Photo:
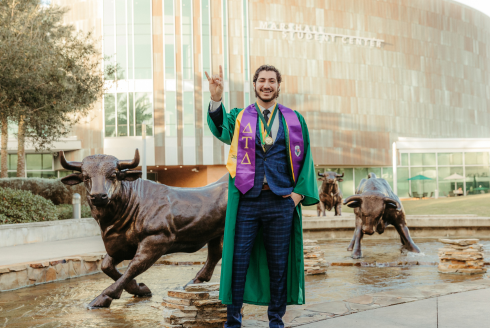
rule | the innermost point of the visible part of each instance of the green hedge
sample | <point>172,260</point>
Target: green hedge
<point>19,206</point>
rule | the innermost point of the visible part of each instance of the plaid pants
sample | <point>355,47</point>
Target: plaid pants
<point>275,215</point>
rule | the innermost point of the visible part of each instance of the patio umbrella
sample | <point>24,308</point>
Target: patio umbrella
<point>455,176</point>
<point>418,178</point>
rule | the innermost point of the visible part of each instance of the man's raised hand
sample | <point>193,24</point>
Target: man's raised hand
<point>216,85</point>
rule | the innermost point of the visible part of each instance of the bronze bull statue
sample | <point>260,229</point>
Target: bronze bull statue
<point>329,192</point>
<point>376,206</point>
<point>141,220</point>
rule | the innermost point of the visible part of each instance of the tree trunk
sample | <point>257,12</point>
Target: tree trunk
<point>21,157</point>
<point>3,152</point>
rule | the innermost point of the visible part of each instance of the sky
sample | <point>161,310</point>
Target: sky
<point>481,5</point>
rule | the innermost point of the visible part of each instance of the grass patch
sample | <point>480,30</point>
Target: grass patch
<point>474,204</point>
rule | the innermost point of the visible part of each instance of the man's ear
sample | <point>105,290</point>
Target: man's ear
<point>129,175</point>
<point>72,179</point>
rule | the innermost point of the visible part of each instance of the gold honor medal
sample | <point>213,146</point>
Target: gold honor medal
<point>269,141</point>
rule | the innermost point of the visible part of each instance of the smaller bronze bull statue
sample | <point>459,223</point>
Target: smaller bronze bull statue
<point>141,220</point>
<point>376,206</point>
<point>330,194</point>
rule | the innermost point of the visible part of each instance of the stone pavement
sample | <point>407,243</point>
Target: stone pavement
<point>447,305</point>
<point>467,309</point>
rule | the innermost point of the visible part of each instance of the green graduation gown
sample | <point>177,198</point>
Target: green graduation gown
<point>257,288</point>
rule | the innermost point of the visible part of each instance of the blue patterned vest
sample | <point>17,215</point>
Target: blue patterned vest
<point>273,163</point>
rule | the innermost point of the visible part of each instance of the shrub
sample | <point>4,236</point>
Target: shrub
<point>19,206</point>
<point>65,211</point>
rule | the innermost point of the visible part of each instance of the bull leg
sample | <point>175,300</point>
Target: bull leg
<point>215,249</point>
<point>320,208</point>
<point>358,234</point>
<point>338,209</point>
<point>149,251</point>
<point>407,241</point>
<point>109,268</point>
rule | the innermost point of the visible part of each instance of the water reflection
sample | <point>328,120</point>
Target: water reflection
<point>63,304</point>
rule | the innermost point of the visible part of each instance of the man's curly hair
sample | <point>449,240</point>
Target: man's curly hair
<point>271,69</point>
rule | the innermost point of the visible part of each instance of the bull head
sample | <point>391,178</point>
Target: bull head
<point>101,174</point>
<point>330,181</point>
<point>371,207</point>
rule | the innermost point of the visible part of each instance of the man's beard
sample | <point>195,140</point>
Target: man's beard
<point>275,95</point>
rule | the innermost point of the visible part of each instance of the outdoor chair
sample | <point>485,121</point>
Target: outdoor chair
<point>416,195</point>
<point>451,194</point>
<point>425,194</point>
<point>431,194</point>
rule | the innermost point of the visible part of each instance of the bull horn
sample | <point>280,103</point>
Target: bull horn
<point>124,165</point>
<point>352,198</point>
<point>73,166</point>
<point>391,200</point>
<point>321,174</point>
<point>340,175</point>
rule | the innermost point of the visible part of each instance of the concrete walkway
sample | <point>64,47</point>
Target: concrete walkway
<point>462,310</point>
<point>50,250</point>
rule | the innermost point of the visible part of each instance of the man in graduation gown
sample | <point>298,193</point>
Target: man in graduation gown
<point>271,174</point>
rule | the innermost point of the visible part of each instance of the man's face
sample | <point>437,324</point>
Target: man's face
<point>266,87</point>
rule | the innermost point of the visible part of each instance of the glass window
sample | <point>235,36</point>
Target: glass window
<point>34,174</point>
<point>131,113</point>
<point>34,162</point>
<point>63,174</point>
<point>170,114</point>
<point>206,95</point>
<point>476,158</point>
<point>189,116</point>
<point>121,39</point>
<point>362,173</point>
<point>47,161</point>
<point>144,112</point>
<point>449,159</point>
<point>49,175</point>
<point>446,187</point>
<point>109,36</point>
<point>142,39</point>
<point>129,12</point>
<point>388,175</point>
<point>423,159</point>
<point>169,39</point>
<point>12,162</point>
<point>187,39</point>
<point>152,176</point>
<point>402,183</point>
<point>347,185</point>
<point>423,188</point>
<point>404,159</point>
<point>206,39</point>
<point>110,115</point>
<point>477,180</point>
<point>122,114</point>
<point>245,44</point>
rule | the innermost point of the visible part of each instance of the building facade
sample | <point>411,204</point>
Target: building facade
<point>363,73</point>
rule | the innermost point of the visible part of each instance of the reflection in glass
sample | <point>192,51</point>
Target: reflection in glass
<point>47,162</point>
<point>189,117</point>
<point>422,159</point>
<point>144,109</point>
<point>109,41</point>
<point>131,113</point>
<point>402,182</point>
<point>476,158</point>
<point>122,114</point>
<point>447,187</point>
<point>34,161</point>
<point>424,188</point>
<point>449,159</point>
<point>388,175</point>
<point>169,39</point>
<point>477,180</point>
<point>110,115</point>
<point>12,162</point>
<point>142,39</point>
<point>187,39</point>
<point>170,114</point>
<point>121,39</point>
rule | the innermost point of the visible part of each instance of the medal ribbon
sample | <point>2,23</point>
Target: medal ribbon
<point>265,127</point>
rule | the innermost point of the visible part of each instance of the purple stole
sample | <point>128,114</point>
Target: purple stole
<point>245,169</point>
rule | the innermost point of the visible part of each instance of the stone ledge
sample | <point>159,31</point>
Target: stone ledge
<point>20,275</point>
